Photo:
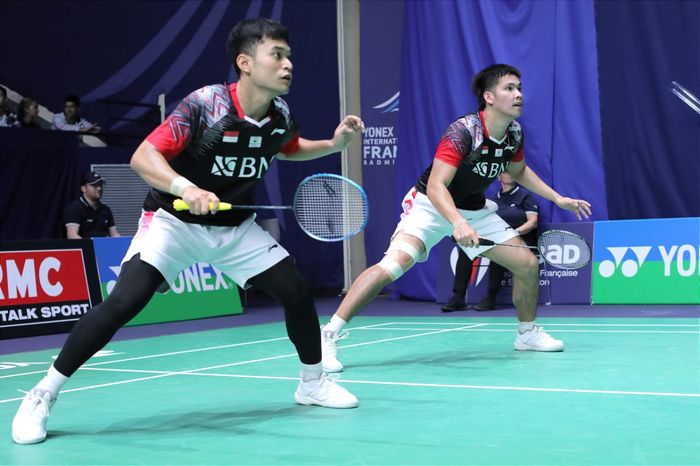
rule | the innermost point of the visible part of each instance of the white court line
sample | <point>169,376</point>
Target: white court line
<point>168,374</point>
<point>548,324</point>
<point>431,385</point>
<point>173,353</point>
<point>414,329</point>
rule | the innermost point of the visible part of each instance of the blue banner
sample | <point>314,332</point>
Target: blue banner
<point>380,60</point>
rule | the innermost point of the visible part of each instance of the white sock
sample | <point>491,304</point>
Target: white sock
<point>335,325</point>
<point>311,371</point>
<point>53,382</point>
<point>525,326</point>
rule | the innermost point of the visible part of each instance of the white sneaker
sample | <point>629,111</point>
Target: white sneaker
<point>29,424</point>
<point>537,340</point>
<point>324,392</point>
<point>329,350</point>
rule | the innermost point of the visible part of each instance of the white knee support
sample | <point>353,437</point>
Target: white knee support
<point>405,246</point>
<point>391,267</point>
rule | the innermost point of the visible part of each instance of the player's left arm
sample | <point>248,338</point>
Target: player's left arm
<point>529,179</point>
<point>307,149</point>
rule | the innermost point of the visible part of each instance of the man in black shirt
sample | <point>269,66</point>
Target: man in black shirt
<point>87,217</point>
<point>448,200</point>
<point>215,146</point>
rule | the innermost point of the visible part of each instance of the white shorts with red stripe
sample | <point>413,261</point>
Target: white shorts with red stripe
<point>171,245</point>
<point>421,219</point>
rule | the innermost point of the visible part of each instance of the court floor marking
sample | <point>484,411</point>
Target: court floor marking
<point>194,371</point>
<point>197,372</point>
<point>548,324</point>
<point>413,329</point>
<point>169,374</point>
<point>173,353</point>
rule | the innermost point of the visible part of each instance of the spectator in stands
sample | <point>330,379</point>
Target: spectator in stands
<point>7,118</point>
<point>26,112</point>
<point>87,217</point>
<point>70,119</point>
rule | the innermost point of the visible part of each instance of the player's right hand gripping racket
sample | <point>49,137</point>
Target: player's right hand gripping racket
<point>559,248</point>
<point>327,207</point>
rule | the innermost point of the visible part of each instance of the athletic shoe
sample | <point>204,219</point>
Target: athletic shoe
<point>537,340</point>
<point>454,304</point>
<point>324,392</point>
<point>29,424</point>
<point>486,304</point>
<point>329,350</point>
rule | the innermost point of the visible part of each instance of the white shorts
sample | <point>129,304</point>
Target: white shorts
<point>421,219</point>
<point>171,245</point>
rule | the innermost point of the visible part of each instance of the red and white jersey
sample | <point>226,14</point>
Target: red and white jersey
<point>479,158</point>
<point>211,142</point>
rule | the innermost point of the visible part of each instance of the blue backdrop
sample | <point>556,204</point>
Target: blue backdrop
<point>599,119</point>
<point>445,43</point>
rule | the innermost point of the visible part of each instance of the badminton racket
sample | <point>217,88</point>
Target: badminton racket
<point>327,207</point>
<point>559,248</point>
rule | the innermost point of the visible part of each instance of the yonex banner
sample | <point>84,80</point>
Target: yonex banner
<point>45,286</point>
<point>200,290</point>
<point>647,261</point>
<point>381,25</point>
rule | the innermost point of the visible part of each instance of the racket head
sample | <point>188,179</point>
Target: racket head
<point>330,207</point>
<point>564,249</point>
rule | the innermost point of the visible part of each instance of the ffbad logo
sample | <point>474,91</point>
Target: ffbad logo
<point>28,277</point>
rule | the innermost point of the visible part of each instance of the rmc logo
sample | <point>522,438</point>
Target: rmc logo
<point>628,267</point>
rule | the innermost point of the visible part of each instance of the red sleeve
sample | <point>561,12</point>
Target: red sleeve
<point>520,155</point>
<point>175,133</point>
<point>447,152</point>
<point>292,146</point>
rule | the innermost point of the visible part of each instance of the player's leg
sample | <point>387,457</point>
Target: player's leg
<point>402,254</point>
<point>463,270</point>
<point>525,268</point>
<point>135,286</point>
<point>249,255</point>
<point>496,273</point>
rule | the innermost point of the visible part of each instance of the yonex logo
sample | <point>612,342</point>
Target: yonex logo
<point>391,105</point>
<point>629,267</point>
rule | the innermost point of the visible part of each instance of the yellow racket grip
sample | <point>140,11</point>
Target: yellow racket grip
<point>179,204</point>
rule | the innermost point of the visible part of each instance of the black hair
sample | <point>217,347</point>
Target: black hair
<point>3,91</point>
<point>246,35</point>
<point>488,77</point>
<point>22,107</point>
<point>72,99</point>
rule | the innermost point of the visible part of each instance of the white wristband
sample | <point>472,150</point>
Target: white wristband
<point>179,184</point>
<point>459,222</point>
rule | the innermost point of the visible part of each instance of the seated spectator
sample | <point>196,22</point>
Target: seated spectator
<point>70,119</point>
<point>87,217</point>
<point>7,118</point>
<point>26,112</point>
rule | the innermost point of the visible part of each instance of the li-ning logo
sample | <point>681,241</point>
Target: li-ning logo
<point>629,267</point>
<point>391,105</point>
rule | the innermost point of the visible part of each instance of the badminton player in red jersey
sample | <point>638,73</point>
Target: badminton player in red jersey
<point>448,199</point>
<point>215,146</point>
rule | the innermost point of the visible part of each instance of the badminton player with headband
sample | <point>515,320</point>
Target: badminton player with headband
<point>215,146</point>
<point>448,199</point>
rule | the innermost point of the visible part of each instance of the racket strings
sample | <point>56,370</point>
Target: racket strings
<point>564,249</point>
<point>330,208</point>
